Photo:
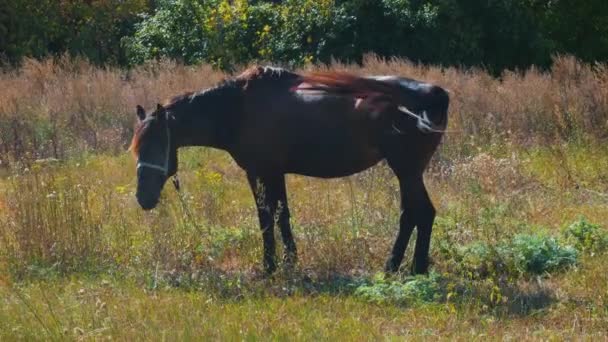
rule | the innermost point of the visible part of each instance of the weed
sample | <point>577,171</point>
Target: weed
<point>538,254</point>
<point>587,237</point>
<point>411,290</point>
<point>524,255</point>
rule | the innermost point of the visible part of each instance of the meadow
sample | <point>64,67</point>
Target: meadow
<point>518,248</point>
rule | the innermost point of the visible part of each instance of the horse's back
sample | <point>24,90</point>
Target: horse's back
<point>310,132</point>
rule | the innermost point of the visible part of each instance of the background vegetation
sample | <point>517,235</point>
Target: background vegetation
<point>520,183</point>
<point>227,33</point>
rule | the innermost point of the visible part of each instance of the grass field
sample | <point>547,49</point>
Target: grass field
<point>518,249</point>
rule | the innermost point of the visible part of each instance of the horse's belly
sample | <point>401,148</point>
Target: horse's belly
<point>332,161</point>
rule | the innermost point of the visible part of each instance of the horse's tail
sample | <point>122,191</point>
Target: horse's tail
<point>428,106</point>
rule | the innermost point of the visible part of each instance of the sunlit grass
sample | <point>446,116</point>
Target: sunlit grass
<point>79,259</point>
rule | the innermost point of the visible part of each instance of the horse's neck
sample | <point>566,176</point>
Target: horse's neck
<point>208,118</point>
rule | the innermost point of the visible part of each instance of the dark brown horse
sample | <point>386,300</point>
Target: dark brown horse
<point>328,124</point>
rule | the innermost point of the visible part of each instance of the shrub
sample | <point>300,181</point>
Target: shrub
<point>176,30</point>
<point>587,237</point>
<point>229,33</point>
<point>538,254</point>
<point>412,290</point>
<point>523,255</point>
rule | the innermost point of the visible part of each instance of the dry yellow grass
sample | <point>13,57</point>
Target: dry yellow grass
<point>62,107</point>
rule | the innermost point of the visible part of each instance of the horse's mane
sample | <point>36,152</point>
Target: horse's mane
<point>342,83</point>
<point>264,73</point>
<point>135,141</point>
<point>172,102</point>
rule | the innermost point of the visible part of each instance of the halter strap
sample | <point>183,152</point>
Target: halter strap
<point>162,169</point>
<point>165,167</point>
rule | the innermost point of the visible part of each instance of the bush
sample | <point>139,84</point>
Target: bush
<point>176,31</point>
<point>37,28</point>
<point>587,237</point>
<point>523,255</point>
<point>412,290</point>
<point>538,254</point>
<point>228,33</point>
<point>232,32</point>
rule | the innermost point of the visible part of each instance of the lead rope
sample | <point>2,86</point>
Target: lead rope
<point>176,184</point>
<point>180,195</point>
<point>186,208</point>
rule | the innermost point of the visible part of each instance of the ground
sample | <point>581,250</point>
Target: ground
<point>191,268</point>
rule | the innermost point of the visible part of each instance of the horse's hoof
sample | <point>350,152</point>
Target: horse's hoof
<point>290,261</point>
<point>391,267</point>
<point>421,268</point>
<point>270,269</point>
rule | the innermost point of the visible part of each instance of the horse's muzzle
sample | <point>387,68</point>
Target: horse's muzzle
<point>147,202</point>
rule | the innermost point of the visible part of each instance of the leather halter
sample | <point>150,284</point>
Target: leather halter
<point>164,168</point>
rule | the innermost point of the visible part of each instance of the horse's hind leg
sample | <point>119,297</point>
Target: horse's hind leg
<point>424,216</point>
<point>406,226</point>
<point>416,211</point>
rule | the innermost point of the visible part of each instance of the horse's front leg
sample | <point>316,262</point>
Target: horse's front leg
<point>271,201</point>
<point>266,210</point>
<point>283,216</point>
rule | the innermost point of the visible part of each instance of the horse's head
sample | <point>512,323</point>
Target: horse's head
<point>154,147</point>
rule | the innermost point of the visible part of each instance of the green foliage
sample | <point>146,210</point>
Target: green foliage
<point>413,290</point>
<point>92,29</point>
<point>575,27</point>
<point>228,33</point>
<point>480,259</point>
<point>586,236</point>
<point>310,31</point>
<point>522,256</point>
<point>176,31</point>
<point>538,254</point>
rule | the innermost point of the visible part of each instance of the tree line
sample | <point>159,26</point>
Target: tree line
<point>494,34</point>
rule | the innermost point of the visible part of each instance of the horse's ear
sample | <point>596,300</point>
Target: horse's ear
<point>141,113</point>
<point>160,112</point>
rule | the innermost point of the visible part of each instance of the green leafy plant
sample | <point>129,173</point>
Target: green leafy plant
<point>523,255</point>
<point>412,290</point>
<point>538,254</point>
<point>586,236</point>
